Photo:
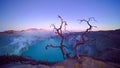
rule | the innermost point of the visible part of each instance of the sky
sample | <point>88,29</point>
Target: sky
<point>25,14</point>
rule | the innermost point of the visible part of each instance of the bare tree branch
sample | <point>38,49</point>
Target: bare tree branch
<point>51,46</point>
<point>83,41</point>
<point>89,28</point>
<point>59,32</point>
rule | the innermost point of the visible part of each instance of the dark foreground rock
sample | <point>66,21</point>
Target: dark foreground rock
<point>14,60</point>
<point>85,62</point>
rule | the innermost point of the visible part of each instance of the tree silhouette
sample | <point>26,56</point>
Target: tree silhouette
<point>83,36</point>
<point>78,42</point>
<point>59,31</point>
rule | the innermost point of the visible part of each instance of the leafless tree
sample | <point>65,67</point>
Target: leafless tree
<point>83,36</point>
<point>59,31</point>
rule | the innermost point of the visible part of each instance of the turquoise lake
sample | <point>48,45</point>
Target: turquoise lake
<point>38,52</point>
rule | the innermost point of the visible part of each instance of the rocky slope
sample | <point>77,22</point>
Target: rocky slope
<point>85,62</point>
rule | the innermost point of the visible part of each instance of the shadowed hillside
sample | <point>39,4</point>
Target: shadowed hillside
<point>103,45</point>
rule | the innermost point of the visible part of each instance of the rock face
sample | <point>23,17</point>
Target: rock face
<point>85,62</point>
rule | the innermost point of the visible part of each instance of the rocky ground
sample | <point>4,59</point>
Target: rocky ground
<point>85,62</point>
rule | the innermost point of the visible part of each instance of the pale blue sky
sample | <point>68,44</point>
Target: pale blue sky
<point>24,14</point>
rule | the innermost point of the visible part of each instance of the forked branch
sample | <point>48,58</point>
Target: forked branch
<point>59,32</point>
<point>83,41</point>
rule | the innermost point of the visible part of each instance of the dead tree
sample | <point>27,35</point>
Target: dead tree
<point>83,40</point>
<point>59,31</point>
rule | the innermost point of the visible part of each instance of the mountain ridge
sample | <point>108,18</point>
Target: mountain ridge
<point>38,29</point>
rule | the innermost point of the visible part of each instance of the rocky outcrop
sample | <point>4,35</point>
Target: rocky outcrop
<point>84,62</point>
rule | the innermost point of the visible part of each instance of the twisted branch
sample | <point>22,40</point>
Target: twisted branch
<point>83,41</point>
<point>59,32</point>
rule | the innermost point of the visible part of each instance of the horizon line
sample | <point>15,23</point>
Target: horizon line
<point>52,29</point>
